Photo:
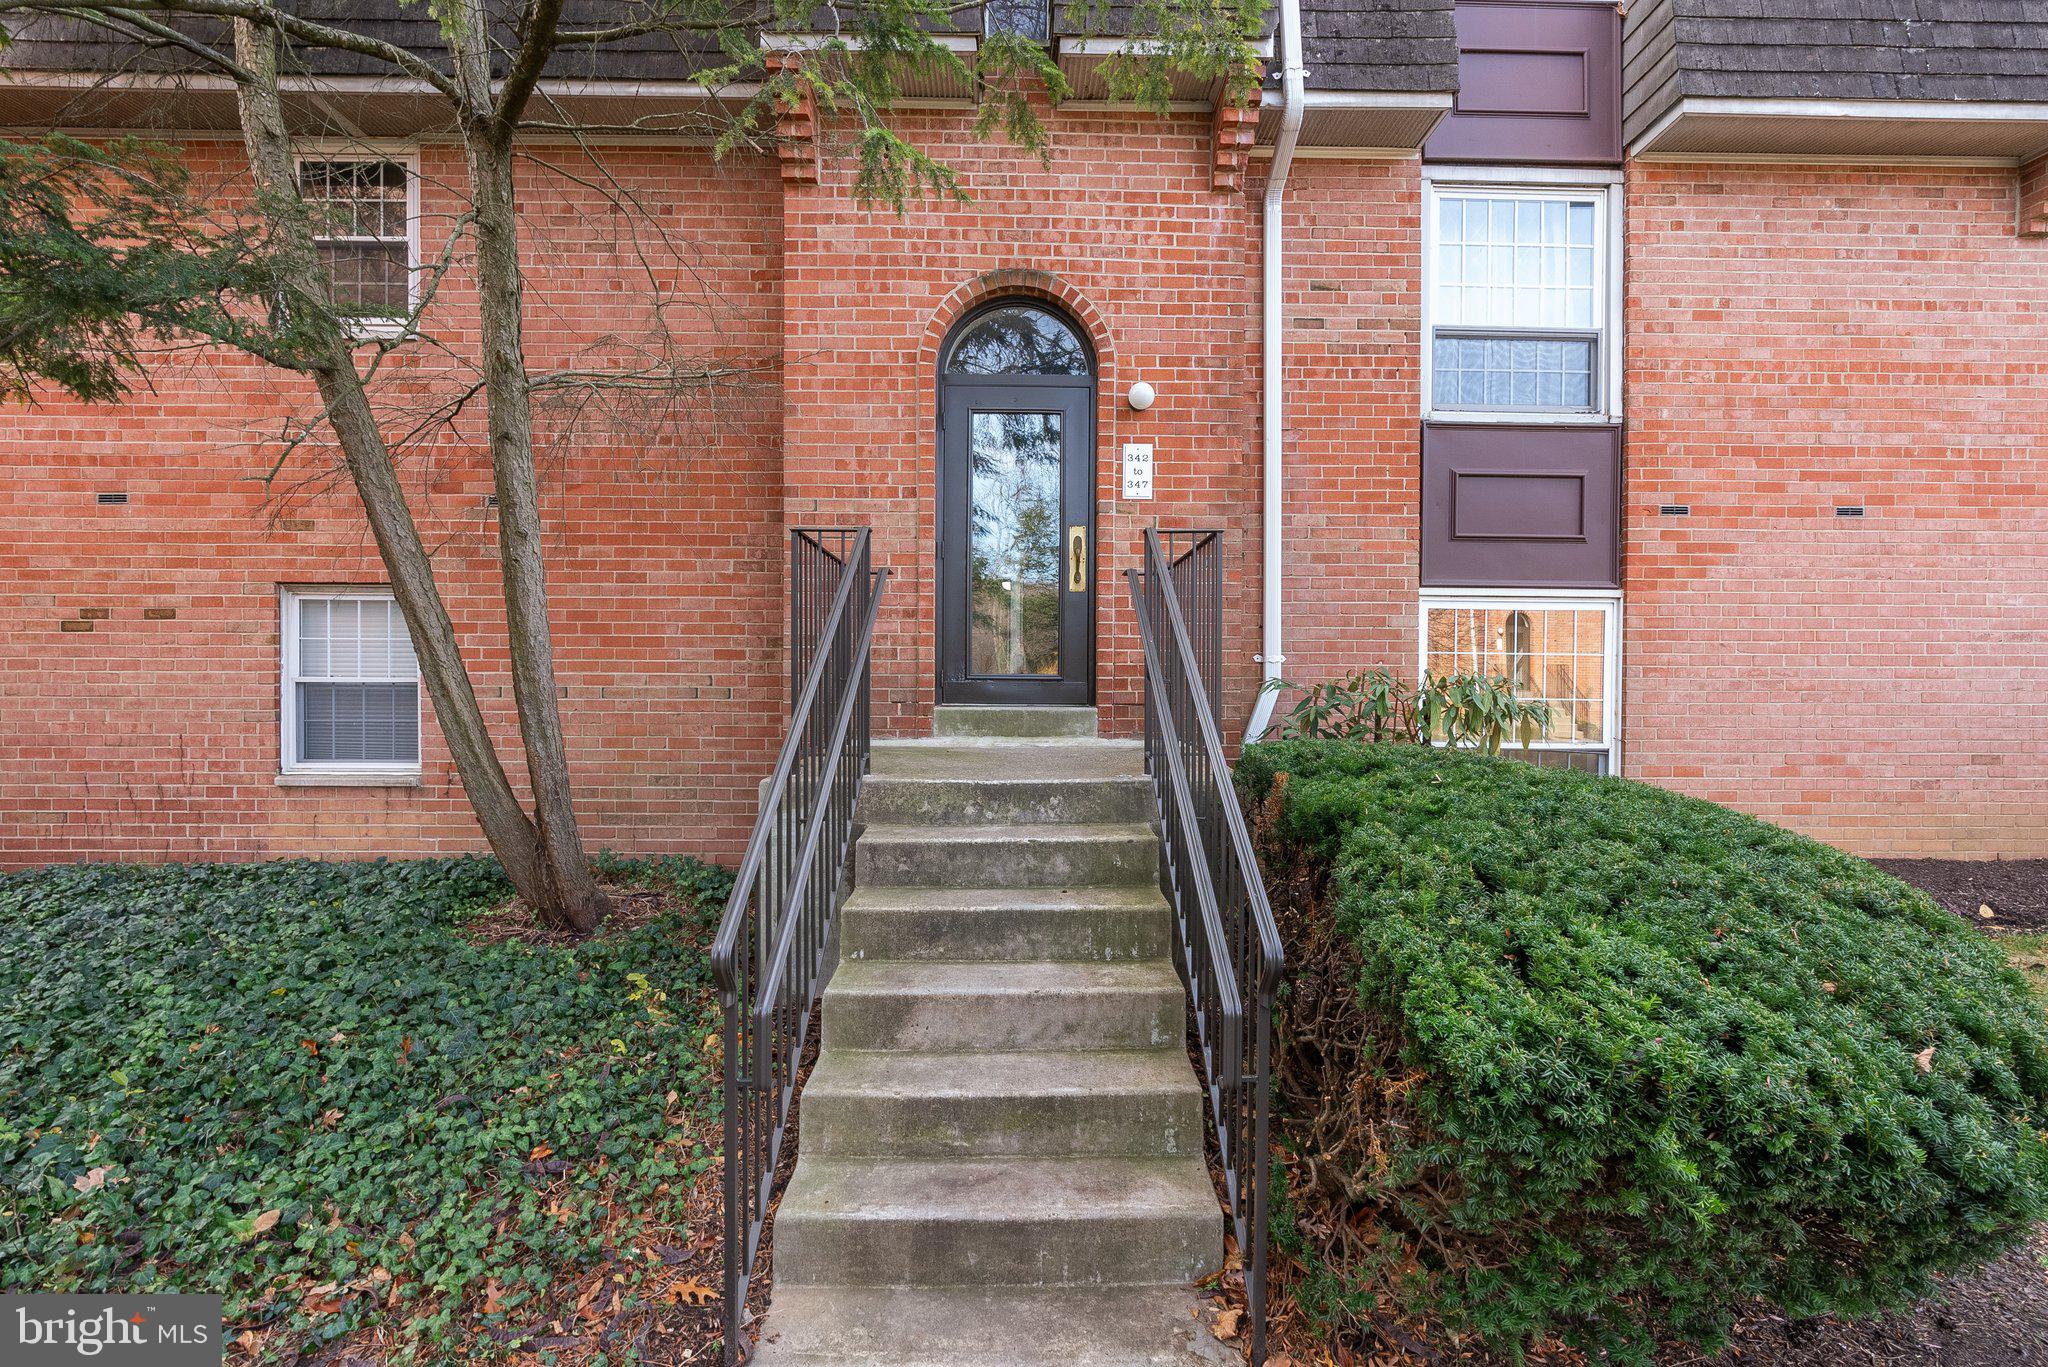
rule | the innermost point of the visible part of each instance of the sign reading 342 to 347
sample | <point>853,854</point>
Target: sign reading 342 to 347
<point>1137,469</point>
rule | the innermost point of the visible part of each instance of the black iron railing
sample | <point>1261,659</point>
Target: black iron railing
<point>770,959</point>
<point>1226,944</point>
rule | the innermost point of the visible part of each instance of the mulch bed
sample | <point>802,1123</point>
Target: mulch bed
<point>1993,1317</point>
<point>2015,890</point>
<point>1996,1316</point>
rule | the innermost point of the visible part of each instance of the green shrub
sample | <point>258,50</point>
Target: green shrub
<point>1574,1057</point>
<point>308,1086</point>
<point>1460,709</point>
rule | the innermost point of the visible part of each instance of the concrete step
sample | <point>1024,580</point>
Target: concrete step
<point>1014,721</point>
<point>1003,800</point>
<point>1011,1221</point>
<point>939,1007</point>
<point>1028,856</point>
<point>1133,1103</point>
<point>900,1326</point>
<point>1101,925</point>
<point>968,758</point>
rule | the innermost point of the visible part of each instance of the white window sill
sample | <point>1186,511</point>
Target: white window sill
<point>349,778</point>
<point>361,330</point>
<point>1534,417</point>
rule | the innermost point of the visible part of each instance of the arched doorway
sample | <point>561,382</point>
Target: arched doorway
<point>1016,508</point>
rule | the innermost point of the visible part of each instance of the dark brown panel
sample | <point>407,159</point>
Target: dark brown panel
<point>1538,81</point>
<point>1521,507</point>
<point>1518,505</point>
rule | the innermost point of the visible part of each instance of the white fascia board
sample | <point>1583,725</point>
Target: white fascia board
<point>1112,47</point>
<point>962,43</point>
<point>361,85</point>
<point>1361,99</point>
<point>1874,112</point>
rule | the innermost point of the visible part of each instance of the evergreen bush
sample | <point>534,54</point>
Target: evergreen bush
<point>1571,1057</point>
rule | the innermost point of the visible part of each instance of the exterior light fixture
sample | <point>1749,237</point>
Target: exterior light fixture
<point>1141,396</point>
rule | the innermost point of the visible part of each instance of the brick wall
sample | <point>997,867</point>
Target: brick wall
<point>1799,339</point>
<point>1121,228</point>
<point>1354,396</point>
<point>157,737</point>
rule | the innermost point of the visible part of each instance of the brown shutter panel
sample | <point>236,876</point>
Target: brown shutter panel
<point>1521,507</point>
<point>1539,81</point>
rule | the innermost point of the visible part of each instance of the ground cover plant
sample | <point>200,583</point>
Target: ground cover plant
<point>357,1099</point>
<point>1569,1060</point>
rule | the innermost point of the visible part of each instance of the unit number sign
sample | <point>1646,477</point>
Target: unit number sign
<point>1137,469</point>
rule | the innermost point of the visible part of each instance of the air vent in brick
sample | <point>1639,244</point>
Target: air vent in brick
<point>112,500</point>
<point>1848,510</point>
<point>1674,509</point>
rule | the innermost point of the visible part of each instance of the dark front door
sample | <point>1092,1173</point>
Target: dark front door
<point>1016,512</point>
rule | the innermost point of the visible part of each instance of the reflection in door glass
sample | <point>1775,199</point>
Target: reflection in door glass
<point>1014,568</point>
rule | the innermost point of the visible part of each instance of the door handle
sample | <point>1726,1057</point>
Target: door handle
<point>1077,559</point>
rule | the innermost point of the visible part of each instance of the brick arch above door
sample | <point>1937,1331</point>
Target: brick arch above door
<point>1018,284</point>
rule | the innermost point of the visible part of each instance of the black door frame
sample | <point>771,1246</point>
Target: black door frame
<point>1074,397</point>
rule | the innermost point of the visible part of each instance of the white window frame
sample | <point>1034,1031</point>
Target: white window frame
<point>290,768</point>
<point>1539,600</point>
<point>1538,183</point>
<point>369,328</point>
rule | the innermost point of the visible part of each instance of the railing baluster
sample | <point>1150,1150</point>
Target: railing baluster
<point>768,958</point>
<point>1226,945</point>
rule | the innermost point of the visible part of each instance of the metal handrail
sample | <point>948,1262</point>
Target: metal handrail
<point>1226,942</point>
<point>770,956</point>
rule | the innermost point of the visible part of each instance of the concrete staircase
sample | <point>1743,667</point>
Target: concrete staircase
<point>1001,1145</point>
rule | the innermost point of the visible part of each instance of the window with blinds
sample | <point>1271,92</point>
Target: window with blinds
<point>1518,305</point>
<point>352,692</point>
<point>362,225</point>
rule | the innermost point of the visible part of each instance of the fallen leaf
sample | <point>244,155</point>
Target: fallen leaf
<point>310,1046</point>
<point>1924,1060</point>
<point>1225,1325</point>
<point>264,1223</point>
<point>1828,988</point>
<point>90,1181</point>
<point>1984,910</point>
<point>540,1152</point>
<point>691,1292</point>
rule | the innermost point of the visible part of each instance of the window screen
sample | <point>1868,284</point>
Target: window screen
<point>1519,305</point>
<point>360,222</point>
<point>354,683</point>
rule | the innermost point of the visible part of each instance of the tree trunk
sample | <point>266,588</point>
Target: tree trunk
<point>487,145</point>
<point>519,845</point>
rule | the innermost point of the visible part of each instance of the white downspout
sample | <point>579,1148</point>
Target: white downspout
<point>1293,84</point>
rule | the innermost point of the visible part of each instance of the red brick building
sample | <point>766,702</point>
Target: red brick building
<point>1688,368</point>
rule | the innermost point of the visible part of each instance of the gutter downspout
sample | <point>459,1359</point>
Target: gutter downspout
<point>1293,86</point>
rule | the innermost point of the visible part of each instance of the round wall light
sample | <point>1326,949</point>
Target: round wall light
<point>1141,396</point>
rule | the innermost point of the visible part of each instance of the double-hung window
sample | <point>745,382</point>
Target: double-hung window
<point>363,214</point>
<point>1519,301</point>
<point>1561,650</point>
<point>351,704</point>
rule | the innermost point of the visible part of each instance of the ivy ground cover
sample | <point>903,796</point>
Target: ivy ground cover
<point>359,1101</point>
